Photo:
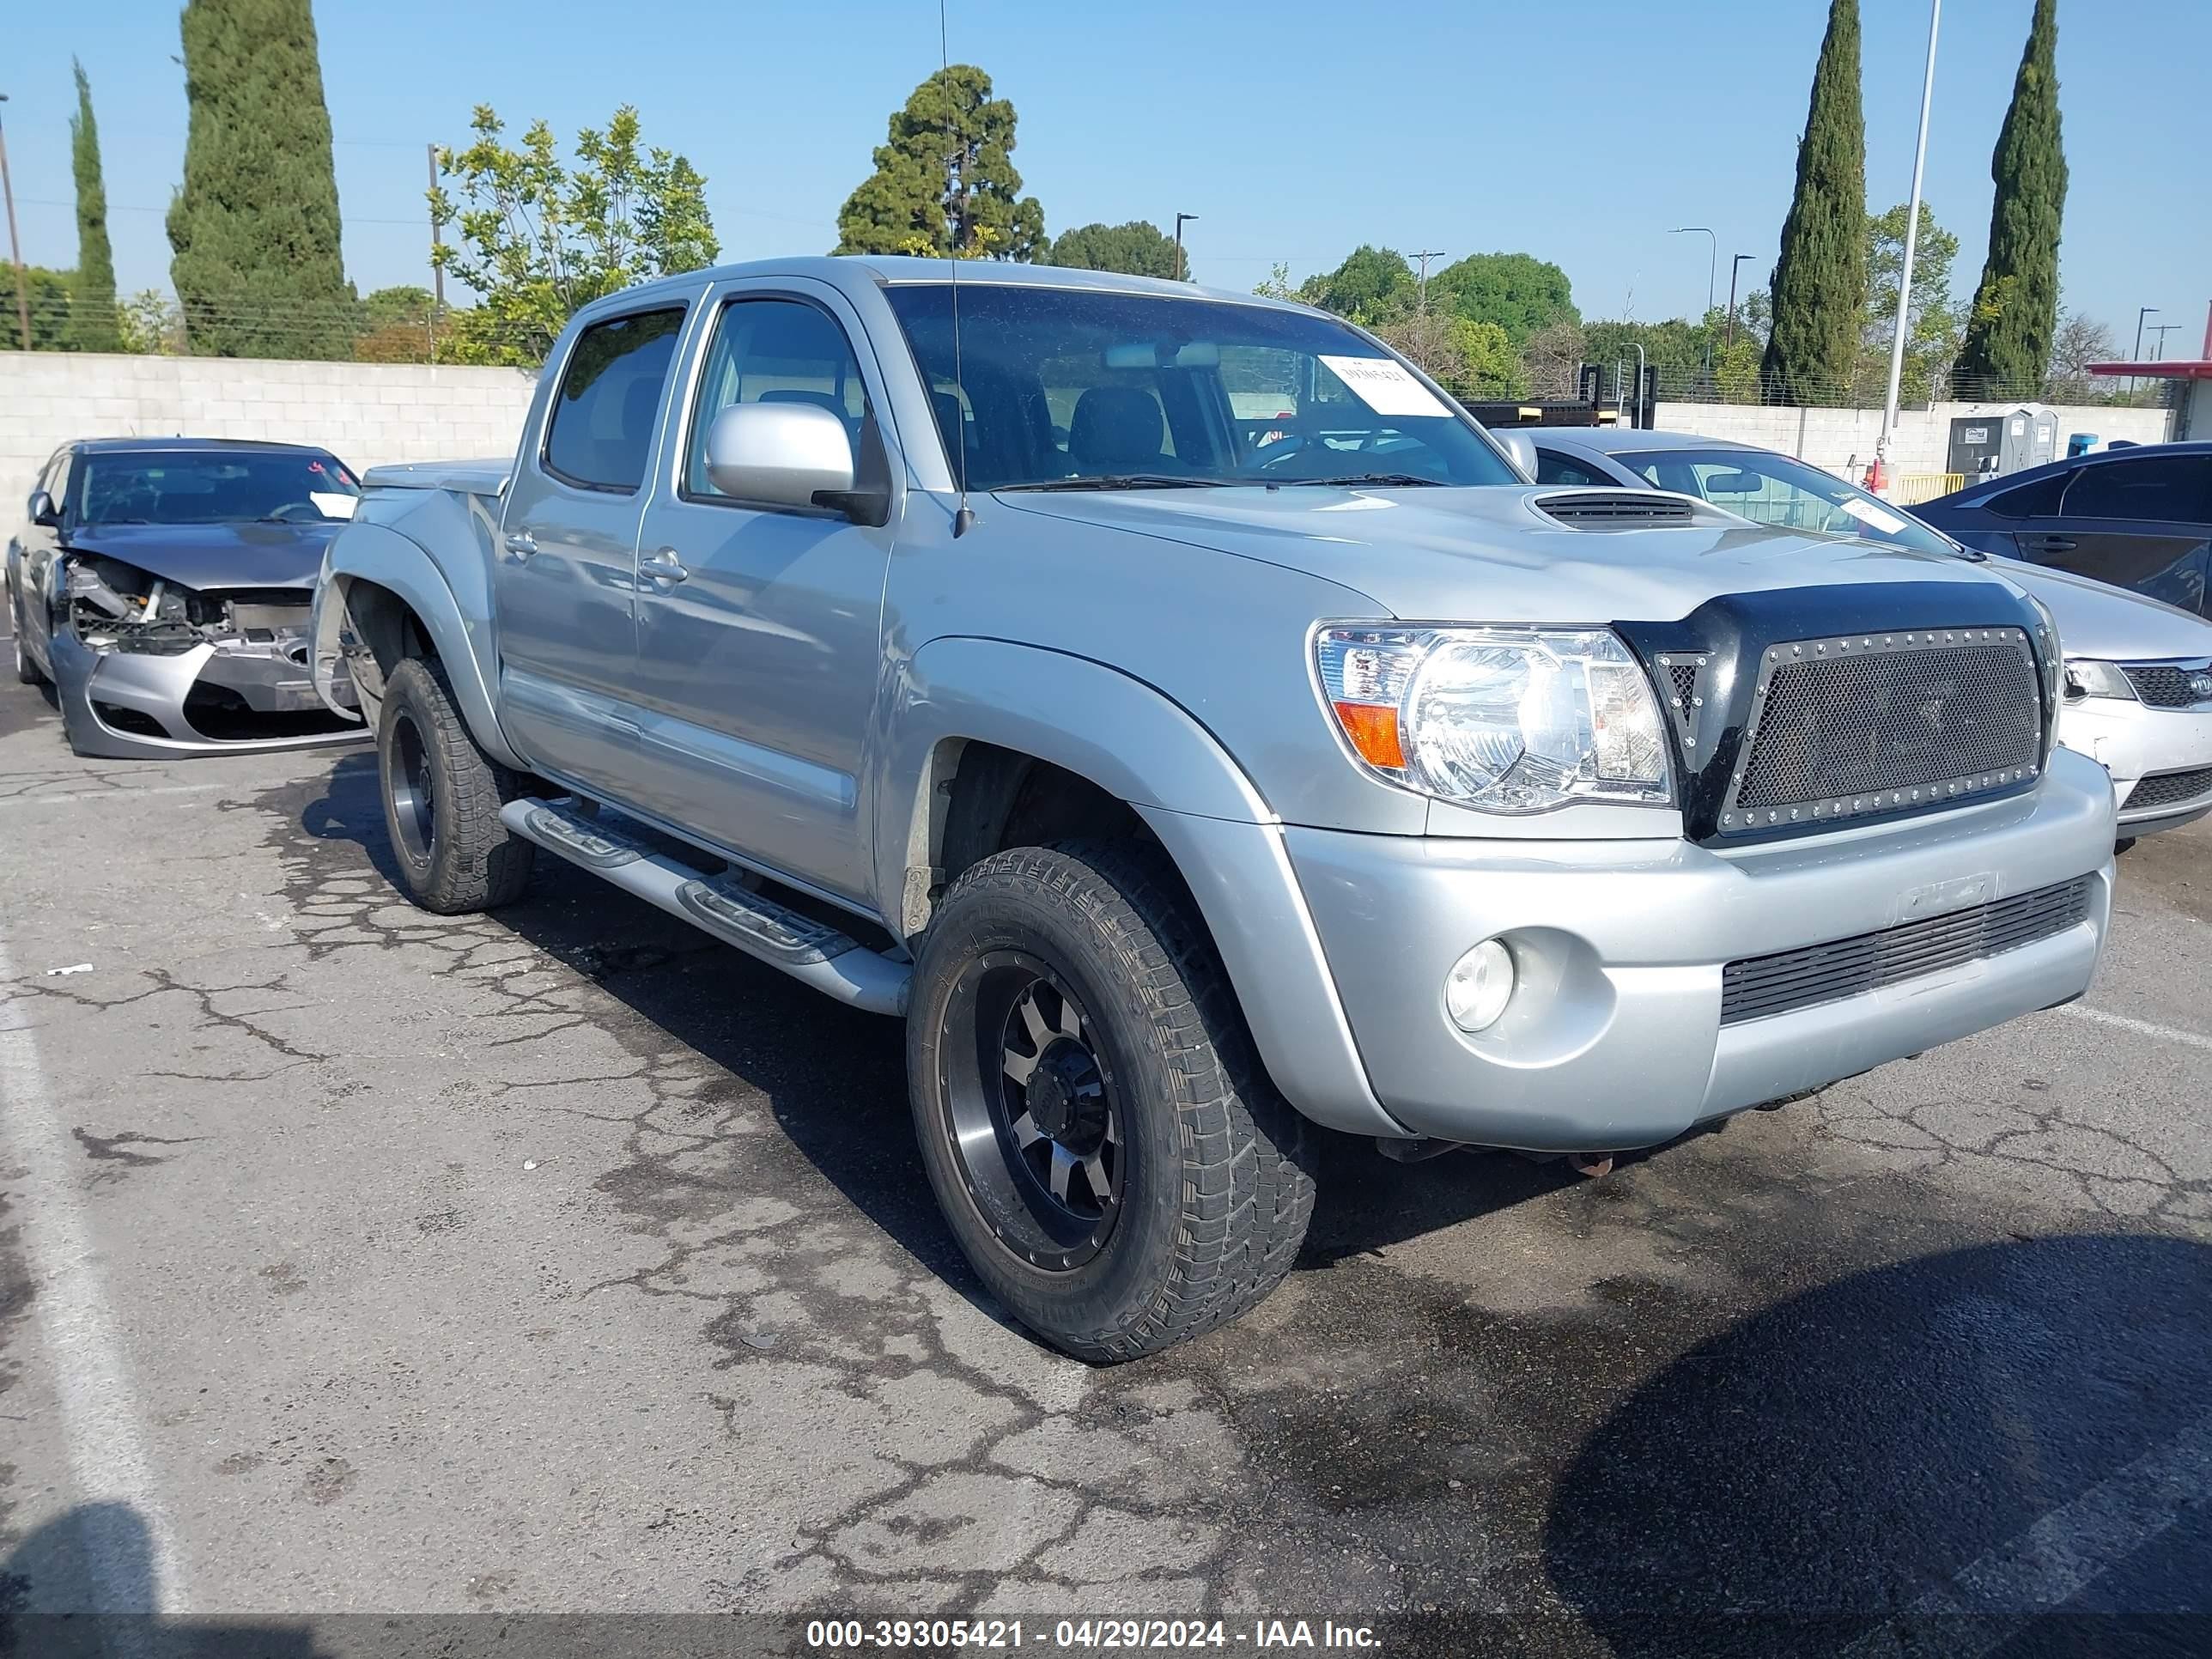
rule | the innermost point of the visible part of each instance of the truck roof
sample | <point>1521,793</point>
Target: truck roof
<point>893,269</point>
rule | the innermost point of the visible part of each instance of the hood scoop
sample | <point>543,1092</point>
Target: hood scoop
<point>1618,509</point>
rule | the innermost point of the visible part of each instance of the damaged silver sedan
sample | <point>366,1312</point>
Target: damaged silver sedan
<point>163,587</point>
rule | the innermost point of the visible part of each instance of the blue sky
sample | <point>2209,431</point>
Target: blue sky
<point>1579,130</point>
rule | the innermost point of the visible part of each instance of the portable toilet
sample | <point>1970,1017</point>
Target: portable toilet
<point>2004,440</point>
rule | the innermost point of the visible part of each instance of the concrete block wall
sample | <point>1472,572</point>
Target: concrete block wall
<point>366,414</point>
<point>1838,438</point>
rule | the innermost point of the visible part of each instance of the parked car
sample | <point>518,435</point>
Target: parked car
<point>2139,517</point>
<point>163,585</point>
<point>2138,672</point>
<point>1194,772</point>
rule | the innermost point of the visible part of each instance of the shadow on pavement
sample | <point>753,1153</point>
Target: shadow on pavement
<point>1950,1440</point>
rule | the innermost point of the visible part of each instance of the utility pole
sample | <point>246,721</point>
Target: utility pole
<point>1905,270</point>
<point>14,247</point>
<point>1735,265</point>
<point>437,265</point>
<point>1179,218</point>
<point>2158,347</point>
<point>1422,300</point>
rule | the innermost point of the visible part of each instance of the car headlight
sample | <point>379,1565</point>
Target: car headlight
<point>2087,678</point>
<point>1502,720</point>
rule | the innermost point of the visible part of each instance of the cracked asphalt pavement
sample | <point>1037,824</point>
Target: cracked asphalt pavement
<point>358,1261</point>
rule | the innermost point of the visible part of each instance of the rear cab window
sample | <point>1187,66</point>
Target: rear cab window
<point>598,435</point>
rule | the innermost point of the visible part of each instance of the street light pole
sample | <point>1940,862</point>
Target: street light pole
<point>1180,218</point>
<point>14,247</point>
<point>1905,270</point>
<point>1734,265</point>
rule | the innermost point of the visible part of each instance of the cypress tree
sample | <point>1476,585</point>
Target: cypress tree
<point>1820,278</point>
<point>92,307</point>
<point>257,268</point>
<point>2015,309</point>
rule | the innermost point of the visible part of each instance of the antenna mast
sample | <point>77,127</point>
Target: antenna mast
<point>964,517</point>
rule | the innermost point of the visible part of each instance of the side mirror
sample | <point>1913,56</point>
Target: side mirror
<point>1523,448</point>
<point>43,510</point>
<point>780,454</point>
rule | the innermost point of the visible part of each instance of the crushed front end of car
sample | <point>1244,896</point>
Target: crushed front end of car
<point>146,666</point>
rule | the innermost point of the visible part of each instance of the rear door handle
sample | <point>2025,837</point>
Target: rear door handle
<point>521,543</point>
<point>664,567</point>
<point>2050,544</point>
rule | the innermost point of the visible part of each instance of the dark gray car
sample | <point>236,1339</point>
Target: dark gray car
<point>163,585</point>
<point>2139,517</point>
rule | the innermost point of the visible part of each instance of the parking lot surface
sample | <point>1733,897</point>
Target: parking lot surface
<point>356,1261</point>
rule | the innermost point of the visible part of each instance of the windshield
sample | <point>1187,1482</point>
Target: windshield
<point>1769,488</point>
<point>1069,388</point>
<point>190,486</point>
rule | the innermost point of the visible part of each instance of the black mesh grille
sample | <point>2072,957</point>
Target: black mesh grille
<point>2164,686</point>
<point>1683,677</point>
<point>1843,726</point>
<point>1759,986</point>
<point>2170,788</point>
<point>1617,509</point>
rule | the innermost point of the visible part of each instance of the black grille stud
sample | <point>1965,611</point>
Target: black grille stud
<point>1885,723</point>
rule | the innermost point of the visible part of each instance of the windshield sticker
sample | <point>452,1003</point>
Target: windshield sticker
<point>331,504</point>
<point>1867,512</point>
<point>1384,384</point>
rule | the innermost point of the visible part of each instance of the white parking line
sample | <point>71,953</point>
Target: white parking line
<point>130,1572</point>
<point>107,794</point>
<point>2140,1027</point>
<point>1996,1596</point>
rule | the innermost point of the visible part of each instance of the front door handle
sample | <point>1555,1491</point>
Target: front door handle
<point>521,543</point>
<point>664,567</point>
<point>2050,544</point>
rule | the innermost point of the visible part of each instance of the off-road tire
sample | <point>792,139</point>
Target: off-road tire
<point>469,860</point>
<point>2122,845</point>
<point>1216,1181</point>
<point>26,671</point>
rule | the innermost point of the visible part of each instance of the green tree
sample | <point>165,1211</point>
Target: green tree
<point>537,239</point>
<point>1932,333</point>
<point>1139,248</point>
<point>1373,287</point>
<point>51,296</point>
<point>254,229</point>
<point>1820,278</point>
<point>1474,360</point>
<point>2016,308</point>
<point>1518,292</point>
<point>1676,349</point>
<point>1276,285</point>
<point>396,325</point>
<point>945,179</point>
<point>92,315</point>
<point>148,323</point>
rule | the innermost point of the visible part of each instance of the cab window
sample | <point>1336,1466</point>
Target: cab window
<point>773,351</point>
<point>599,435</point>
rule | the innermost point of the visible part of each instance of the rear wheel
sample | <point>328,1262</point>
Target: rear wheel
<point>441,798</point>
<point>1108,1152</point>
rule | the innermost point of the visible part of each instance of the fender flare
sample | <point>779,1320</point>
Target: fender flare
<point>458,622</point>
<point>1139,744</point>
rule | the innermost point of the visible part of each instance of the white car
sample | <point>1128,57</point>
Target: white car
<point>2138,672</point>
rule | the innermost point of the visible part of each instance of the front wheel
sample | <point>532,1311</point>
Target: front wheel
<point>1111,1158</point>
<point>441,798</point>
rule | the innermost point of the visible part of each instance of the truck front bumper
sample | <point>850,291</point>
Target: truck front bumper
<point>1615,1037</point>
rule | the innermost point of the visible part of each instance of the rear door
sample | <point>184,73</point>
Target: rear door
<point>2139,520</point>
<point>759,644</point>
<point>564,572</point>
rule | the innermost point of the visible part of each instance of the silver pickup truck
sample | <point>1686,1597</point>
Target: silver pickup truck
<point>1174,706</point>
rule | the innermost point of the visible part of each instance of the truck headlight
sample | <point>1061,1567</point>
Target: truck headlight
<point>1502,720</point>
<point>2087,678</point>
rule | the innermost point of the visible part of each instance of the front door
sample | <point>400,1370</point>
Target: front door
<point>564,566</point>
<point>759,628</point>
<point>2143,522</point>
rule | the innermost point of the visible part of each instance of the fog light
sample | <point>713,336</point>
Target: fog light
<point>1479,986</point>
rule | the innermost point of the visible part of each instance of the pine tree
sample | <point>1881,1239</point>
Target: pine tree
<point>257,268</point>
<point>1820,278</point>
<point>2015,310</point>
<point>93,325</point>
<point>944,179</point>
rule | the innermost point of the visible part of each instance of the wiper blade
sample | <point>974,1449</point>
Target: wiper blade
<point>1125,481</point>
<point>1378,480</point>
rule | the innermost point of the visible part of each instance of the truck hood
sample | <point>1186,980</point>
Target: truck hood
<point>1487,555</point>
<point>2096,619</point>
<point>213,555</point>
